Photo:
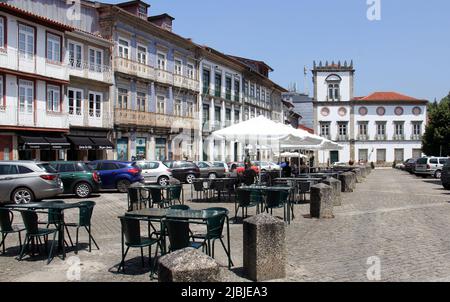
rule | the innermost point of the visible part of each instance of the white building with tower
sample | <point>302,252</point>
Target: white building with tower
<point>382,127</point>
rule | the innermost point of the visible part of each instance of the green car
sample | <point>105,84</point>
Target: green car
<point>77,177</point>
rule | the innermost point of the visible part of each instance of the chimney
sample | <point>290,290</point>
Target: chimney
<point>164,21</point>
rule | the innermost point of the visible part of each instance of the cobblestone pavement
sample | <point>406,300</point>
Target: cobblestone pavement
<point>399,218</point>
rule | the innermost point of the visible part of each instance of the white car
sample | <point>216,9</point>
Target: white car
<point>155,172</point>
<point>268,166</point>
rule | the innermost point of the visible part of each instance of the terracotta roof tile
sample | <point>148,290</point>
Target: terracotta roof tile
<point>386,96</point>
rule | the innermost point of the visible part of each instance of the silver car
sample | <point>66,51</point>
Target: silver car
<point>28,181</point>
<point>430,166</point>
<point>155,172</point>
<point>208,170</point>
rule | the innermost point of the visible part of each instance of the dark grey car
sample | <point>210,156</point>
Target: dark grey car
<point>208,170</point>
<point>28,181</point>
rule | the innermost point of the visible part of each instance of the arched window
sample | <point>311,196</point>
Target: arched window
<point>333,82</point>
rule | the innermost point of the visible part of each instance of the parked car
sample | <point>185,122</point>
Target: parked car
<point>28,181</point>
<point>209,170</point>
<point>430,166</point>
<point>184,171</point>
<point>77,177</point>
<point>410,165</point>
<point>240,167</point>
<point>445,175</point>
<point>117,174</point>
<point>155,172</point>
<point>221,164</point>
<point>267,166</point>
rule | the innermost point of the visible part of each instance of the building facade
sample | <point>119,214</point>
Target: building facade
<point>383,127</point>
<point>303,106</point>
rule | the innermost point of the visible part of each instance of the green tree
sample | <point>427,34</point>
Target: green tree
<point>436,140</point>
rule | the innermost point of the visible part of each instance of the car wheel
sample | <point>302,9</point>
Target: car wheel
<point>123,185</point>
<point>212,175</point>
<point>22,195</point>
<point>437,174</point>
<point>82,190</point>
<point>163,180</point>
<point>190,178</point>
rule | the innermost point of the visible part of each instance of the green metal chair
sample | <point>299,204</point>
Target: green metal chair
<point>174,194</point>
<point>56,217</point>
<point>214,231</point>
<point>30,220</point>
<point>276,199</point>
<point>157,198</point>
<point>7,227</point>
<point>86,209</point>
<point>179,235</point>
<point>131,238</point>
<point>136,200</point>
<point>244,201</point>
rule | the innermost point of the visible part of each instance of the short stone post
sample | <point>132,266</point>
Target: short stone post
<point>363,171</point>
<point>321,204</point>
<point>348,181</point>
<point>188,265</point>
<point>264,248</point>
<point>336,188</point>
<point>358,175</point>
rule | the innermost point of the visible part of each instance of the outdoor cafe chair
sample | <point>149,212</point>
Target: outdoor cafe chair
<point>180,235</point>
<point>136,200</point>
<point>56,218</point>
<point>304,187</point>
<point>7,227</point>
<point>30,220</point>
<point>157,198</point>
<point>199,188</point>
<point>174,194</point>
<point>244,202</point>
<point>86,209</point>
<point>276,199</point>
<point>131,238</point>
<point>214,231</point>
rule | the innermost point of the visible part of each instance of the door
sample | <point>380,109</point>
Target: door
<point>67,173</point>
<point>204,169</point>
<point>398,155</point>
<point>334,157</point>
<point>8,175</point>
<point>417,153</point>
<point>5,147</point>
<point>381,156</point>
<point>108,174</point>
<point>363,155</point>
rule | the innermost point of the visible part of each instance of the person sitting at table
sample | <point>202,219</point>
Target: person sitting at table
<point>287,170</point>
<point>249,175</point>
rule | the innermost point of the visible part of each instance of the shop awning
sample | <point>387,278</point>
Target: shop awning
<point>81,142</point>
<point>58,143</point>
<point>34,142</point>
<point>102,143</point>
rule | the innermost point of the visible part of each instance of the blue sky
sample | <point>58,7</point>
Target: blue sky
<point>407,51</point>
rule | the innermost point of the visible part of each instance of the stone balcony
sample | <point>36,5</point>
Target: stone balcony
<point>128,117</point>
<point>134,68</point>
<point>83,69</point>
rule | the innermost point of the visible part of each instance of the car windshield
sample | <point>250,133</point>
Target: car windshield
<point>47,168</point>
<point>422,161</point>
<point>168,164</point>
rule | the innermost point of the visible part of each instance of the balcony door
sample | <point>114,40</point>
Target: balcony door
<point>26,100</point>
<point>26,47</point>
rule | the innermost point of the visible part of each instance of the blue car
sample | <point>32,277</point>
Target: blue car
<point>117,174</point>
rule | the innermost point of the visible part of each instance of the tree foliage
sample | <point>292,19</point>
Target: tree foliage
<point>436,140</point>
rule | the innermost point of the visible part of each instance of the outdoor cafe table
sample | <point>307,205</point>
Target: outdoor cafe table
<point>148,187</point>
<point>160,214</point>
<point>264,189</point>
<point>210,181</point>
<point>56,205</point>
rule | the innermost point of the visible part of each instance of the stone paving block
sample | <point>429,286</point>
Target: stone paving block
<point>321,205</point>
<point>264,248</point>
<point>336,187</point>
<point>188,265</point>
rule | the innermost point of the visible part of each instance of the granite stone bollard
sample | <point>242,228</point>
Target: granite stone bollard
<point>321,204</point>
<point>363,171</point>
<point>348,181</point>
<point>188,265</point>
<point>358,174</point>
<point>336,187</point>
<point>264,248</point>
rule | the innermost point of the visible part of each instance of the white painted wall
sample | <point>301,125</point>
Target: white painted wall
<point>322,85</point>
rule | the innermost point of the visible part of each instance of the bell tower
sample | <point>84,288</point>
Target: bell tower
<point>333,82</point>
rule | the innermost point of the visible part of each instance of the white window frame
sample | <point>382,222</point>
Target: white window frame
<point>190,70</point>
<point>158,60</point>
<point>121,48</point>
<point>26,100</point>
<point>178,66</point>
<point>26,53</point>
<point>96,112</point>
<point>53,42</point>
<point>399,128</point>
<point>139,54</point>
<point>75,110</point>
<point>381,126</point>
<point>417,126</point>
<point>76,63</point>
<point>2,31</point>
<point>178,107</point>
<point>53,98</point>
<point>160,99</point>
<point>141,101</point>
<point>190,109</point>
<point>95,66</point>
<point>341,127</point>
<point>325,129</point>
<point>120,103</point>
